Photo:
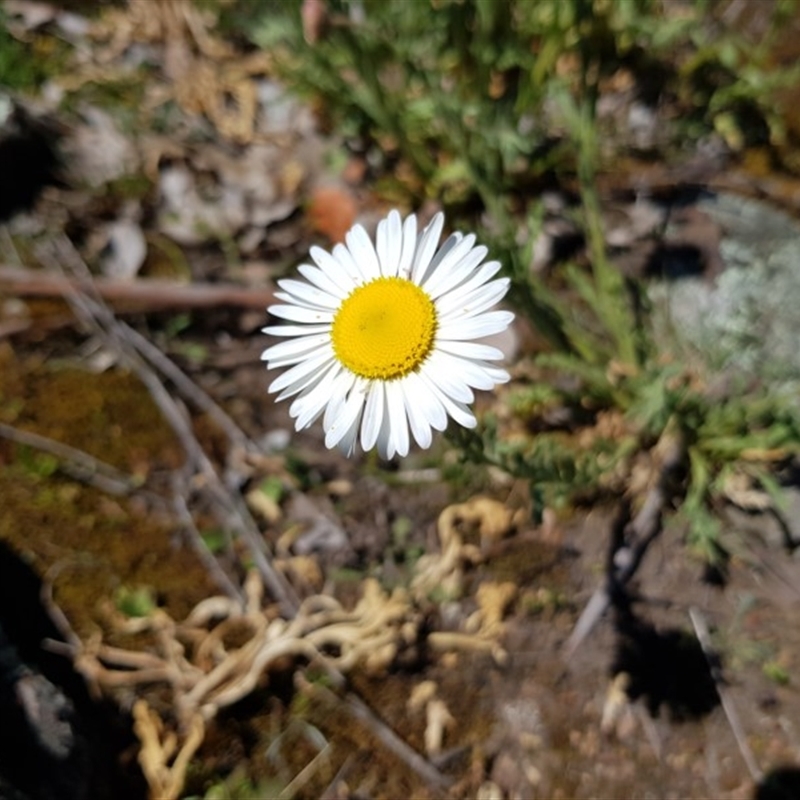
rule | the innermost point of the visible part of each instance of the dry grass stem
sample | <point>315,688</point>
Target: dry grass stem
<point>228,505</point>
<point>76,463</point>
<point>141,295</point>
<point>704,638</point>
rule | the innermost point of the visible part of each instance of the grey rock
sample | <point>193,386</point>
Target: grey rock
<point>746,321</point>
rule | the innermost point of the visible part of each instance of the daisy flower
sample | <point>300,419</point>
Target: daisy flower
<point>380,338</point>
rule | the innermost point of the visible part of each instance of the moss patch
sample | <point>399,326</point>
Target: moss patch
<point>90,543</point>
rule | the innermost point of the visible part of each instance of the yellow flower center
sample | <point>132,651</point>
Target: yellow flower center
<point>384,329</point>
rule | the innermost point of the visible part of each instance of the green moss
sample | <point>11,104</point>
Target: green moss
<point>110,416</point>
<point>26,65</point>
<point>776,672</point>
<point>91,543</point>
<point>135,601</point>
<point>123,97</point>
<point>129,187</point>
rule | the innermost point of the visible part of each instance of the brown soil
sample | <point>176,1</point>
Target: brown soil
<point>534,725</point>
<point>634,712</point>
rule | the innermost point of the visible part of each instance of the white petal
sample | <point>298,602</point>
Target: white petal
<point>294,347</point>
<point>347,263</point>
<point>496,374</point>
<point>298,384</point>
<point>427,403</point>
<point>300,314</point>
<point>484,273</point>
<point>473,373</point>
<point>453,273</point>
<point>445,249</point>
<point>346,419</point>
<point>338,285</point>
<point>295,330</point>
<point>477,374</point>
<point>304,385</point>
<point>333,266</point>
<point>307,293</point>
<point>417,419</point>
<point>310,404</point>
<point>471,303</point>
<point>409,245</point>
<point>476,327</point>
<point>484,352</point>
<point>278,361</point>
<point>300,302</point>
<point>442,370</point>
<point>288,361</point>
<point>373,415</point>
<point>385,443</point>
<point>299,372</point>
<point>363,252</point>
<point>388,243</point>
<point>426,247</point>
<point>398,424</point>
<point>458,411</point>
<point>342,386</point>
<point>382,246</point>
<point>347,445</point>
<point>447,259</point>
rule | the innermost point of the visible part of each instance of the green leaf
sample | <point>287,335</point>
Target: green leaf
<point>135,601</point>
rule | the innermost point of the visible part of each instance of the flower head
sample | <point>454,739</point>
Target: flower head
<point>380,340</point>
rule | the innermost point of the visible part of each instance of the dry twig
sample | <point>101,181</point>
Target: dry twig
<point>638,535</point>
<point>140,295</point>
<point>76,463</point>
<point>229,506</point>
<point>704,638</point>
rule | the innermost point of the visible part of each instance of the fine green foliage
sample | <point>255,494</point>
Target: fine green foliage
<point>480,104</point>
<point>237,786</point>
<point>135,601</point>
<point>21,66</point>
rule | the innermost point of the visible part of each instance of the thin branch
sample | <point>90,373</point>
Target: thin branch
<point>76,463</point>
<point>15,325</point>
<point>703,636</point>
<point>57,616</point>
<point>638,535</point>
<point>187,387</point>
<point>97,315</point>
<point>145,294</point>
<point>387,737</point>
<point>199,546</point>
<point>427,771</point>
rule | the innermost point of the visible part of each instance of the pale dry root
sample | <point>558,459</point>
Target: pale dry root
<point>443,571</point>
<point>205,673</point>
<point>163,757</point>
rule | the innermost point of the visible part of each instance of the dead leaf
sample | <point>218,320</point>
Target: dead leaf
<point>314,14</point>
<point>618,718</point>
<point>263,506</point>
<point>126,249</point>
<point>332,212</point>
<point>29,15</point>
<point>98,152</point>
